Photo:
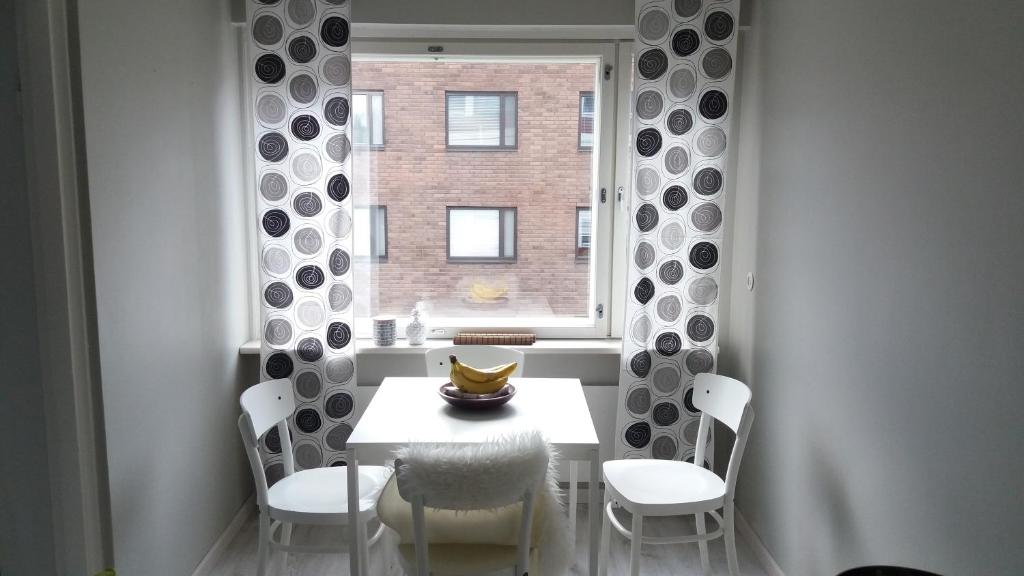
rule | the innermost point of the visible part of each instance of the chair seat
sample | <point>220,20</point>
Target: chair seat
<point>320,495</point>
<point>470,527</point>
<point>663,487</point>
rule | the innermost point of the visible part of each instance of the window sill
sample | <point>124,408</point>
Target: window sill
<point>547,346</point>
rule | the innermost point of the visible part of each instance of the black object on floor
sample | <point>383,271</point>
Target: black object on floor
<point>885,571</point>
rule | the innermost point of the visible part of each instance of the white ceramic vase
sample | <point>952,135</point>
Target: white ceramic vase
<point>416,331</point>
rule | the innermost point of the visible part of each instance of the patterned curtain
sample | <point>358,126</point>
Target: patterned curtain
<point>683,78</point>
<point>299,70</point>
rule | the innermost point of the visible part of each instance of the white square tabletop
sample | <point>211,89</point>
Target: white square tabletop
<point>410,410</point>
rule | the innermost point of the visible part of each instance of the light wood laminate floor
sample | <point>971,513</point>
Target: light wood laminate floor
<point>675,560</point>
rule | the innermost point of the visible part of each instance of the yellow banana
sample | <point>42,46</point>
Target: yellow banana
<point>475,381</point>
<point>486,374</point>
<point>466,385</point>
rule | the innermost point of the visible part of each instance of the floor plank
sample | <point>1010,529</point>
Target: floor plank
<point>675,560</point>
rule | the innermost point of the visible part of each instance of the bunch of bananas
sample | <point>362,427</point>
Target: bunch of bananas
<point>476,381</point>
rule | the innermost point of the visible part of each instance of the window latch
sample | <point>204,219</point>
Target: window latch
<point>600,310</point>
<point>604,195</point>
<point>607,71</point>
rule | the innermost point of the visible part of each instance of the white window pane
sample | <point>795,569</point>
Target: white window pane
<point>377,111</point>
<point>363,230</point>
<point>380,233</point>
<point>474,120</point>
<point>509,117</point>
<point>587,105</point>
<point>473,233</point>
<point>436,185</point>
<point>509,230</point>
<point>586,121</point>
<point>360,120</point>
<point>583,229</point>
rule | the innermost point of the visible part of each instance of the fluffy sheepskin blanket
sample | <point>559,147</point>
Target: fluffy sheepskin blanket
<point>489,476</point>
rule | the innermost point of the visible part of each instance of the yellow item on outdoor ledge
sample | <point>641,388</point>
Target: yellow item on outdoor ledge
<point>481,292</point>
<point>476,381</point>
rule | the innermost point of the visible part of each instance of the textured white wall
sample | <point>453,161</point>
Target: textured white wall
<point>879,200</point>
<point>163,139</point>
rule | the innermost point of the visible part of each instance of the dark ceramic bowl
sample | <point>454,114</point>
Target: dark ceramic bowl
<point>477,403</point>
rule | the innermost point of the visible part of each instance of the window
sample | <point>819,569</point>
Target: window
<point>481,120</point>
<point>371,232</point>
<point>582,233</point>
<point>586,127</point>
<point>368,118</point>
<point>489,241</point>
<point>481,234</point>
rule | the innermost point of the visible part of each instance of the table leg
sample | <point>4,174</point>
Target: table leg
<point>574,498</point>
<point>594,509</point>
<point>354,544</point>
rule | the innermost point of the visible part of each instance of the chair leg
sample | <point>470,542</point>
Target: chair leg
<point>281,561</point>
<point>634,548</point>
<point>574,495</point>
<point>606,536</point>
<point>702,529</point>
<point>730,539</point>
<point>263,546</point>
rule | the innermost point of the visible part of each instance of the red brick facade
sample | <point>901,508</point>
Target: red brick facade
<point>415,176</point>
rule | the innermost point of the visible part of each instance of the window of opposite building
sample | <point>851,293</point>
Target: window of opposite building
<point>479,234</point>
<point>586,122</point>
<point>582,233</point>
<point>368,118</point>
<point>481,120</point>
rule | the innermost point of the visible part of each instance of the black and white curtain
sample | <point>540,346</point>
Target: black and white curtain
<point>300,72</point>
<point>684,57</point>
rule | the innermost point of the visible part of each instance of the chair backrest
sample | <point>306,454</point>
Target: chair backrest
<point>728,401</point>
<point>264,406</point>
<point>476,356</point>
<point>509,470</point>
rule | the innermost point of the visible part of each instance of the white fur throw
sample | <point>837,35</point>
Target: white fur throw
<point>489,476</point>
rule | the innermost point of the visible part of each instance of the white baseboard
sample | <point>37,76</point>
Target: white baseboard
<point>771,567</point>
<point>205,568</point>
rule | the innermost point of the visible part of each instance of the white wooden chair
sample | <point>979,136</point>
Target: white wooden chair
<point>476,356</point>
<point>672,488</point>
<point>317,496</point>
<point>463,502</point>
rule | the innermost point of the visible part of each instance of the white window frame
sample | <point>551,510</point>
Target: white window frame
<point>610,174</point>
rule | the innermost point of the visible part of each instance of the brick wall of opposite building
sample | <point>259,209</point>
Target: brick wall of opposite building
<point>415,176</point>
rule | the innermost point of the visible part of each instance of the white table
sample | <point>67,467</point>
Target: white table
<point>407,410</point>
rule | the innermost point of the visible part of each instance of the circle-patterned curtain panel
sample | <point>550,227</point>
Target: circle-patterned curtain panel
<point>300,73</point>
<point>683,77</point>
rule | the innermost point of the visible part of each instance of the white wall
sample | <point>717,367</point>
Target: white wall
<point>162,121</point>
<point>881,180</point>
<point>26,541</point>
